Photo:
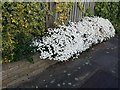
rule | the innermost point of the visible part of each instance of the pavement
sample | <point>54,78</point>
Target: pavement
<point>95,68</point>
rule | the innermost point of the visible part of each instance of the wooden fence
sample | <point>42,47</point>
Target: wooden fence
<point>75,14</point>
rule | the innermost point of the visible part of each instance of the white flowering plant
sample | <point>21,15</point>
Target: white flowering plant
<point>69,41</point>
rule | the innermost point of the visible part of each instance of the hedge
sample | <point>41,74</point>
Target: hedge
<point>21,23</point>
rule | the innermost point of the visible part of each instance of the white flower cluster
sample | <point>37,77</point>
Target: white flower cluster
<point>69,41</point>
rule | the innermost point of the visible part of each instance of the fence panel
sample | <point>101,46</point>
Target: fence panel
<point>75,14</point>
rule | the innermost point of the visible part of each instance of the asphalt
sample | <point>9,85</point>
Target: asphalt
<point>95,68</point>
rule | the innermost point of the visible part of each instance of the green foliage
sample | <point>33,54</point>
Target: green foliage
<point>87,12</point>
<point>21,23</point>
<point>63,9</point>
<point>109,10</point>
<point>80,6</point>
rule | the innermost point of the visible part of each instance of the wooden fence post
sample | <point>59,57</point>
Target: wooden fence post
<point>51,16</point>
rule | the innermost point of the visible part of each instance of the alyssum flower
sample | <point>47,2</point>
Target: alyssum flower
<point>69,41</point>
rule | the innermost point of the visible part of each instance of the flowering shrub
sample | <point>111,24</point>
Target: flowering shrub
<point>69,41</point>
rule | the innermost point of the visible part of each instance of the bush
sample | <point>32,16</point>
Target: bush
<point>69,41</point>
<point>109,10</point>
<point>21,23</point>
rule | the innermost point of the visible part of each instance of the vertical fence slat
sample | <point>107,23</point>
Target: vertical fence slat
<point>83,9</point>
<point>92,4</point>
<point>75,12</point>
<point>72,13</point>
